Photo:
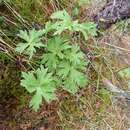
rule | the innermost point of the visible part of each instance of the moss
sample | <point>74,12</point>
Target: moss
<point>10,88</point>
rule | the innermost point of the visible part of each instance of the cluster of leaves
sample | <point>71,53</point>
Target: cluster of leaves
<point>67,62</point>
<point>32,39</point>
<point>65,22</point>
<point>62,64</point>
<point>64,67</point>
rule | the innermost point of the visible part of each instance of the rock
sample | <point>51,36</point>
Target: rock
<point>113,11</point>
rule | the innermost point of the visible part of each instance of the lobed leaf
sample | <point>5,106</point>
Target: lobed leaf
<point>41,83</point>
<point>32,41</point>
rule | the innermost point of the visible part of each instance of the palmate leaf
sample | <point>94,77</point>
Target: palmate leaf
<point>61,26</point>
<point>64,69</point>
<point>74,55</point>
<point>74,81</point>
<point>36,100</point>
<point>72,77</point>
<point>57,46</point>
<point>55,52</point>
<point>50,60</point>
<point>32,41</point>
<point>29,81</point>
<point>78,77</point>
<point>42,84</point>
<point>71,70</point>
<point>70,86</point>
<point>48,27</point>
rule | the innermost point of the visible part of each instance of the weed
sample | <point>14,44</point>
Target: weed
<point>65,22</point>
<point>64,63</point>
<point>52,60</point>
<point>55,50</point>
<point>32,40</point>
<point>42,83</point>
<point>65,67</point>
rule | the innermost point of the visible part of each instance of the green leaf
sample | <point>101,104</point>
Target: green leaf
<point>74,55</point>
<point>70,86</point>
<point>125,73</point>
<point>21,47</point>
<point>30,83</point>
<point>32,41</point>
<point>64,22</point>
<point>41,83</point>
<point>36,100</point>
<point>57,45</point>
<point>50,60</point>
<point>74,81</point>
<point>62,15</point>
<point>78,77</point>
<point>87,29</point>
<point>72,76</point>
<point>48,27</point>
<point>54,52</point>
<point>64,69</point>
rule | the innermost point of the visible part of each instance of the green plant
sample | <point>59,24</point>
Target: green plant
<point>73,78</point>
<point>64,67</point>
<point>67,61</point>
<point>65,22</point>
<point>32,41</point>
<point>42,83</point>
<point>54,52</point>
<point>72,69</point>
<point>64,63</point>
<point>125,73</point>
